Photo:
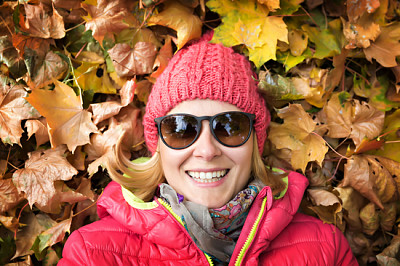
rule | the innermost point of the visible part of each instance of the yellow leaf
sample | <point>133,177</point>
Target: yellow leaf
<point>247,22</point>
<point>271,4</point>
<point>180,18</point>
<point>94,77</point>
<point>298,42</point>
<point>296,134</point>
<point>69,123</point>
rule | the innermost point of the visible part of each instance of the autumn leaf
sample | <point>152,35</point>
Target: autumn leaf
<point>162,59</point>
<point>104,110</point>
<point>69,123</point>
<point>389,255</point>
<point>9,195</point>
<point>94,77</point>
<point>137,61</point>
<point>370,219</point>
<point>326,43</point>
<point>352,202</point>
<point>106,18</point>
<point>51,236</point>
<point>39,128</point>
<point>326,205</point>
<point>13,109</point>
<point>180,18</point>
<point>355,119</point>
<point>386,47</point>
<point>9,55</point>
<point>296,134</point>
<point>41,170</point>
<point>298,42</point>
<point>356,8</point>
<point>248,23</point>
<point>52,67</point>
<point>360,34</point>
<point>38,23</point>
<point>271,4</point>
<point>128,91</point>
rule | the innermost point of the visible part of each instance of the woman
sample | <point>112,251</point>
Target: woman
<point>205,196</point>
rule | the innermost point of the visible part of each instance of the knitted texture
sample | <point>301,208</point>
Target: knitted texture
<point>202,70</point>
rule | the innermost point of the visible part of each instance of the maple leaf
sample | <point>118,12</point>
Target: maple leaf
<point>376,184</point>
<point>41,170</point>
<point>352,119</point>
<point>137,61</point>
<point>296,134</point>
<point>360,34</point>
<point>352,202</point>
<point>386,47</point>
<point>13,109</point>
<point>298,42</point>
<point>51,236</point>
<point>104,110</point>
<point>106,17</point>
<point>39,128</point>
<point>326,42</point>
<point>9,195</point>
<point>180,18</point>
<point>356,8</point>
<point>92,76</point>
<point>326,205</point>
<point>246,22</point>
<point>38,23</point>
<point>52,67</point>
<point>69,123</point>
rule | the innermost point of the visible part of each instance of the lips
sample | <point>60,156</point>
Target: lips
<point>207,177</point>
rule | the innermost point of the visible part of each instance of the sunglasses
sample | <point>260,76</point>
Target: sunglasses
<point>179,131</point>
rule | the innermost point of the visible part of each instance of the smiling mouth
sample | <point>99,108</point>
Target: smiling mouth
<point>207,177</point>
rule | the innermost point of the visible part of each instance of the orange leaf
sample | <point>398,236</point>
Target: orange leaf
<point>163,57</point>
<point>69,123</point>
<point>356,8</point>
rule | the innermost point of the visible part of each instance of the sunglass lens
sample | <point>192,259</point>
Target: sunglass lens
<point>232,129</point>
<point>178,131</point>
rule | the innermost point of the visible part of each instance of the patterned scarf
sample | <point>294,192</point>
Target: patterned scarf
<point>215,231</point>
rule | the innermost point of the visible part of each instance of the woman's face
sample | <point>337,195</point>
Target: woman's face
<point>207,155</point>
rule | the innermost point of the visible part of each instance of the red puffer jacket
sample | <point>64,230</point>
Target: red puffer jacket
<point>151,234</point>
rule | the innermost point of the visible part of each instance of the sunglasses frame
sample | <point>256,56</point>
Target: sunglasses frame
<point>199,120</point>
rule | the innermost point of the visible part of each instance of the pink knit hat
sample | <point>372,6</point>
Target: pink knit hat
<point>202,70</point>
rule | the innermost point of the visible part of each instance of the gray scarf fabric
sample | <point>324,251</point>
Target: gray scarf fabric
<point>200,224</point>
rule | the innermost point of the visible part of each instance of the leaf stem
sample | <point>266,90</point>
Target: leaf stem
<point>340,155</point>
<point>90,206</point>
<point>19,217</point>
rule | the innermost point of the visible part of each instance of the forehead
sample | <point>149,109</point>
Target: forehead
<point>202,107</point>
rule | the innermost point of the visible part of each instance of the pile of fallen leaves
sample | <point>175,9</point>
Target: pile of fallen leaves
<point>75,75</point>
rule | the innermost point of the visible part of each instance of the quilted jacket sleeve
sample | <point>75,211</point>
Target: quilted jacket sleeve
<point>74,252</point>
<point>344,254</point>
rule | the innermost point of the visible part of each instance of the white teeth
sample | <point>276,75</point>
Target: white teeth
<point>208,176</point>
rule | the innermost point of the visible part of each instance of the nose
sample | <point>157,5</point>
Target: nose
<point>206,146</point>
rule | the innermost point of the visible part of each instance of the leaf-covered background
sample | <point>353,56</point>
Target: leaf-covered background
<point>75,75</point>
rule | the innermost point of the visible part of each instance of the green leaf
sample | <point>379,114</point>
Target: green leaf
<point>326,44</point>
<point>290,61</point>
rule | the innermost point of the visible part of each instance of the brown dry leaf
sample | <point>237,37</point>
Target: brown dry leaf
<point>39,128</point>
<point>104,110</point>
<point>143,89</point>
<point>386,47</point>
<point>389,256</point>
<point>298,42</point>
<point>9,56</point>
<point>271,4</point>
<point>35,224</point>
<point>7,24</point>
<point>54,234</point>
<point>77,159</point>
<point>326,205</point>
<point>137,61</point>
<point>69,123</point>
<point>162,59</point>
<point>3,168</point>
<point>24,43</point>
<point>85,189</point>
<point>41,170</point>
<point>370,219</point>
<point>352,119</point>
<point>366,175</point>
<point>13,109</point>
<point>180,18</point>
<point>352,202</point>
<point>52,67</point>
<point>296,134</point>
<point>130,119</point>
<point>356,8</point>
<point>128,91</point>
<point>360,34</point>
<point>107,17</point>
<point>38,23</point>
<point>335,75</point>
<point>101,144</point>
<point>387,216</point>
<point>9,195</point>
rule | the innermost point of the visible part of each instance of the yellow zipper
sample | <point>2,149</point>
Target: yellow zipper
<point>252,233</point>
<point>179,219</point>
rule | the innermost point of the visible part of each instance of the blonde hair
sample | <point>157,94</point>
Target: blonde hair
<point>143,178</point>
